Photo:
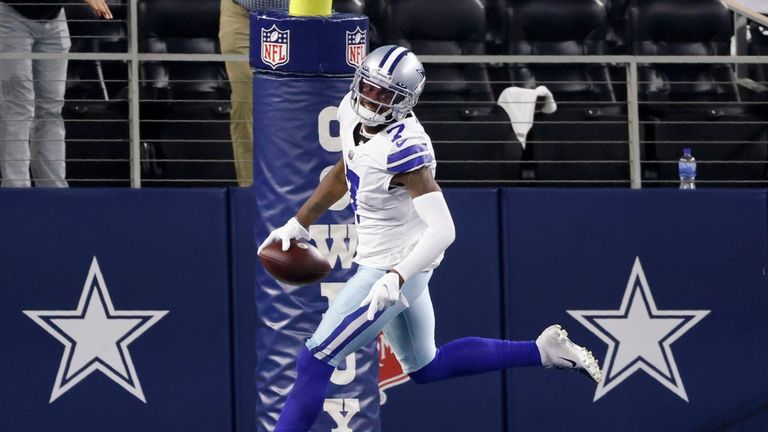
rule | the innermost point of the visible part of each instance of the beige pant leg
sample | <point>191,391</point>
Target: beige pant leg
<point>234,37</point>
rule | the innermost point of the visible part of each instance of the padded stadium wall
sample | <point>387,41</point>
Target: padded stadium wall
<point>303,67</point>
<point>687,269</point>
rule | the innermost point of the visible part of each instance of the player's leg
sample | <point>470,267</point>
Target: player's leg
<point>475,355</point>
<point>343,330</point>
<point>412,338</point>
<point>305,401</point>
<point>411,335</point>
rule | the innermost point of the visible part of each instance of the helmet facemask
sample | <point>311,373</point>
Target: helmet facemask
<point>376,100</point>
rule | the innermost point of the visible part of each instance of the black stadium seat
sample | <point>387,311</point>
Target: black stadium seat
<point>186,104</point>
<point>589,124</point>
<point>472,146</point>
<point>693,105</point>
<point>617,23</point>
<point>96,107</point>
<point>369,8</point>
<point>97,140</point>
<point>349,6</point>
<point>447,28</point>
<point>457,107</point>
<point>758,45</point>
<point>496,25</point>
<point>560,27</point>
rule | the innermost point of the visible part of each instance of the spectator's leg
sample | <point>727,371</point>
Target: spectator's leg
<point>46,139</point>
<point>234,38</point>
<point>16,98</point>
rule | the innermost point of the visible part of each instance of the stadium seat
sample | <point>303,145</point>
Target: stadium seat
<point>374,9</point>
<point>369,8</point>
<point>590,125</point>
<point>758,45</point>
<point>349,6</point>
<point>97,144</point>
<point>473,148</point>
<point>617,23</point>
<point>185,105</point>
<point>457,107</point>
<point>96,107</point>
<point>442,28</point>
<point>496,26</point>
<point>90,34</point>
<point>694,105</point>
<point>560,27</point>
<point>86,30</point>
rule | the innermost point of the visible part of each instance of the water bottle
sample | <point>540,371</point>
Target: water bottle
<point>686,167</point>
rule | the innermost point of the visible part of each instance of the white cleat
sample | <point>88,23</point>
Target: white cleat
<point>559,352</point>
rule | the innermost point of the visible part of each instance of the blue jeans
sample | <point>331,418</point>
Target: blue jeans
<point>410,331</point>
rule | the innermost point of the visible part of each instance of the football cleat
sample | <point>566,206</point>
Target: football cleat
<point>559,352</point>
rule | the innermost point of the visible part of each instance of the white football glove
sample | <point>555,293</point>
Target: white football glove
<point>291,230</point>
<point>384,293</point>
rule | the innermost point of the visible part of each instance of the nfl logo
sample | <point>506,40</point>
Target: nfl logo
<point>356,47</point>
<point>275,44</point>
<point>390,372</point>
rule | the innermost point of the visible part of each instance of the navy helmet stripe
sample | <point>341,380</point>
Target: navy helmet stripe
<point>386,56</point>
<point>397,60</point>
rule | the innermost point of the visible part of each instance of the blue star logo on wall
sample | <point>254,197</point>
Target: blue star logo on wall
<point>96,337</point>
<point>639,336</point>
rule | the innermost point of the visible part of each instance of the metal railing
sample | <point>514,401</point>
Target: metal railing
<point>638,118</point>
<point>641,137</point>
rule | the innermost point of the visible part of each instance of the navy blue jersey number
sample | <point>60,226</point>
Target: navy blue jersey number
<point>354,184</point>
<point>398,129</point>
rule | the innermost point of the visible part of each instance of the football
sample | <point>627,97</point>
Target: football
<point>301,264</point>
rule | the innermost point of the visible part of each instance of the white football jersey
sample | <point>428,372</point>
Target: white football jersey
<point>388,226</point>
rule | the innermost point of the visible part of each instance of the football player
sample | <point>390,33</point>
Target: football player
<point>404,226</point>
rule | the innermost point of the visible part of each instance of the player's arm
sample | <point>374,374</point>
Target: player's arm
<point>331,189</point>
<point>430,205</point>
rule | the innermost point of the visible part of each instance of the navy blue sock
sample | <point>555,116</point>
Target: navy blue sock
<point>306,399</point>
<point>474,355</point>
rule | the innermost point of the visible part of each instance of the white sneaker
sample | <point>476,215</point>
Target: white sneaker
<point>558,351</point>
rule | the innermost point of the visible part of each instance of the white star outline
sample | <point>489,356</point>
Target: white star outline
<point>86,346</point>
<point>677,322</point>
